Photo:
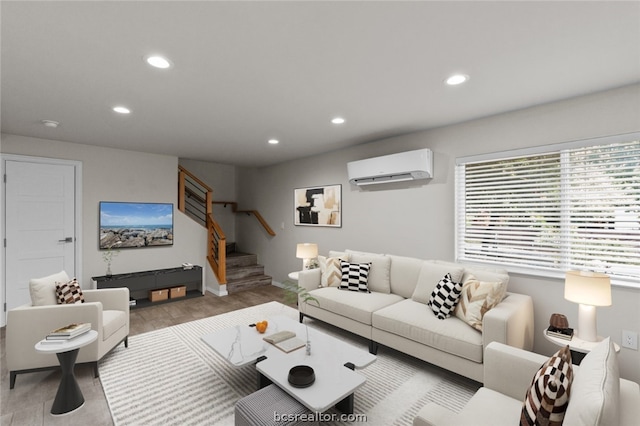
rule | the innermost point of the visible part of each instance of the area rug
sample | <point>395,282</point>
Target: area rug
<point>170,377</point>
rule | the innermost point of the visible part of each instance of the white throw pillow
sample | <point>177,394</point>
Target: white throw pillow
<point>380,273</point>
<point>595,395</point>
<point>430,275</point>
<point>43,290</point>
<point>485,274</point>
<point>341,254</point>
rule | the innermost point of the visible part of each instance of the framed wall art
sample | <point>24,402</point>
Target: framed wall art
<point>318,206</point>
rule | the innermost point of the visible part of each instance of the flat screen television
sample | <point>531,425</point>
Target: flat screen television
<point>135,225</point>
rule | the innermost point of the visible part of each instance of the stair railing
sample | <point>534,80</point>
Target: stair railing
<point>255,213</point>
<point>217,249</point>
<point>195,199</point>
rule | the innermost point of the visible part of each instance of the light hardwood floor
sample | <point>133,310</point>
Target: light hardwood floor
<point>29,402</point>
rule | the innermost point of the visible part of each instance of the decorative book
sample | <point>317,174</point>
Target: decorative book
<point>48,341</point>
<point>562,333</point>
<point>286,341</point>
<point>69,331</point>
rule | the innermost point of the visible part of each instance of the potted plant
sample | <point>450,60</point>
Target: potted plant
<point>108,256</point>
<point>293,293</point>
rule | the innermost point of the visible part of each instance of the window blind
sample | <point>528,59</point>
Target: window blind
<point>574,208</point>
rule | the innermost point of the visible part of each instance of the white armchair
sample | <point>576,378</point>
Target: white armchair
<point>106,309</point>
<point>598,395</point>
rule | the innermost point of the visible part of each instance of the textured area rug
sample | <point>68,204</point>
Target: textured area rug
<point>170,377</point>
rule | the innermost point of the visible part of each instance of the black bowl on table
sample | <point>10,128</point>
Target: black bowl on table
<point>301,376</point>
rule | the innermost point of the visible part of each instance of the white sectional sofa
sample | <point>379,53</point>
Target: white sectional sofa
<point>395,313</point>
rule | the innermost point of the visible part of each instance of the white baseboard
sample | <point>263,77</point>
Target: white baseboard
<point>218,292</point>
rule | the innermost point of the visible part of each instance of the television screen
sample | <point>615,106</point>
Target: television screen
<point>133,225</point>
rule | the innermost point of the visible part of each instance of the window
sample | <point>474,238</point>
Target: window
<point>551,209</point>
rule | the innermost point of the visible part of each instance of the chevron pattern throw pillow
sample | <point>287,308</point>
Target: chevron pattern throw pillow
<point>330,270</point>
<point>477,298</point>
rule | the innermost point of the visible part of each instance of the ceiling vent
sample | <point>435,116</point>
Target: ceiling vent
<point>404,166</point>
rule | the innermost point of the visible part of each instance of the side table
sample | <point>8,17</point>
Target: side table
<point>294,276</point>
<point>579,348</point>
<point>69,397</point>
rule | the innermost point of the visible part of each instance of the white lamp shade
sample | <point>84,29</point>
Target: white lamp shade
<point>587,288</point>
<point>306,251</point>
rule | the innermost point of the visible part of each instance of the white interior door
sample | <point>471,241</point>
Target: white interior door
<point>39,225</point>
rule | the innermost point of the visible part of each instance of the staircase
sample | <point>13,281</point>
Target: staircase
<point>243,271</point>
<point>236,270</point>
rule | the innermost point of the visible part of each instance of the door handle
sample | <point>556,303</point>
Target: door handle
<point>66,240</point>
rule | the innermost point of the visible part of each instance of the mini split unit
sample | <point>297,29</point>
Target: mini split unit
<point>404,166</point>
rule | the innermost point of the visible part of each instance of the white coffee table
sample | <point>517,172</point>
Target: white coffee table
<point>334,383</point>
<point>69,396</point>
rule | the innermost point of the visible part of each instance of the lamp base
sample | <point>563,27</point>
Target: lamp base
<point>587,323</point>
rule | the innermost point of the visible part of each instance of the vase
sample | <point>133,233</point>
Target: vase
<point>108,274</point>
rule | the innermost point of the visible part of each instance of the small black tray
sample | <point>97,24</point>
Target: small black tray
<point>301,376</point>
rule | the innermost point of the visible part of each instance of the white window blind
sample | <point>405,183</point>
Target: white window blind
<point>573,208</point>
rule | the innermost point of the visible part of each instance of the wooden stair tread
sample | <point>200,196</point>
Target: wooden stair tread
<point>243,271</point>
<point>240,284</point>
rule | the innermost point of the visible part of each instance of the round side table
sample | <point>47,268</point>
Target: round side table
<point>69,397</point>
<point>294,276</point>
<point>579,348</point>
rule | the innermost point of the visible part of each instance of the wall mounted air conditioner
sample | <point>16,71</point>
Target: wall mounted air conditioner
<point>404,166</point>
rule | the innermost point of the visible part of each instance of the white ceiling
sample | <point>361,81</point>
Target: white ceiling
<point>245,72</point>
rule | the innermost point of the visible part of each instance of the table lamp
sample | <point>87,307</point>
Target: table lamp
<point>306,252</point>
<point>589,289</point>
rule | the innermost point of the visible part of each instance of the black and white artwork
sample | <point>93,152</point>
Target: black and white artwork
<point>318,206</point>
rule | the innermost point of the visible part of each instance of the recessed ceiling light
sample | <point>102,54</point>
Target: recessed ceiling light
<point>273,141</point>
<point>338,120</point>
<point>457,79</point>
<point>121,110</point>
<point>158,61</point>
<point>50,123</point>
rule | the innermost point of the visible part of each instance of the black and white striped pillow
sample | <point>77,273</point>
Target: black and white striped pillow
<point>355,276</point>
<point>444,297</point>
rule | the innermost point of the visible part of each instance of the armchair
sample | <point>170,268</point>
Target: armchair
<point>106,309</point>
<point>598,395</point>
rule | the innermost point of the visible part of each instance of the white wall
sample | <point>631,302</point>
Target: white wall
<point>221,178</point>
<point>118,175</point>
<point>418,219</point>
